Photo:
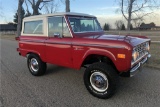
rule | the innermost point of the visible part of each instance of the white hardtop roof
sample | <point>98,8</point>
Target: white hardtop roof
<point>59,14</point>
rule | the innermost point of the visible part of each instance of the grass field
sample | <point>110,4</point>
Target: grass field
<point>10,37</point>
<point>143,33</point>
<point>153,35</point>
<point>154,50</point>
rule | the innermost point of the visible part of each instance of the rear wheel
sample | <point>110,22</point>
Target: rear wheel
<point>100,80</point>
<point>36,66</point>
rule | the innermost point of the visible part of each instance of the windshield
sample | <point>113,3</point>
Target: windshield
<point>81,24</point>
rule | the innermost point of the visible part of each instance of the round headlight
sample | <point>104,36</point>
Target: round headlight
<point>147,46</point>
<point>135,55</point>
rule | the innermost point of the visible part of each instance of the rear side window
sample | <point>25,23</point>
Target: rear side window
<point>33,27</point>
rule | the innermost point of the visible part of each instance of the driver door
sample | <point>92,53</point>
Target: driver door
<point>58,44</point>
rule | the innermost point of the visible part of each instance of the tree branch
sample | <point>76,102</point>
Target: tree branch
<point>141,17</point>
<point>27,7</point>
<point>42,1</point>
<point>122,9</point>
<point>42,6</point>
<point>139,8</point>
<point>30,2</point>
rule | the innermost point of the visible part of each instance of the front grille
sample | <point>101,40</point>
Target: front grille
<point>141,49</point>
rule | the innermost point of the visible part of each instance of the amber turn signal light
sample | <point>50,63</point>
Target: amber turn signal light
<point>122,56</point>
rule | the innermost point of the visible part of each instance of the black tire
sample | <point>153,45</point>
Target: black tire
<point>100,80</point>
<point>35,65</point>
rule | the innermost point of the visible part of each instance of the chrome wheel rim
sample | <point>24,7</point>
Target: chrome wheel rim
<point>34,65</point>
<point>99,81</point>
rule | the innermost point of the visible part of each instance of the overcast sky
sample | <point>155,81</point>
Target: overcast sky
<point>105,10</point>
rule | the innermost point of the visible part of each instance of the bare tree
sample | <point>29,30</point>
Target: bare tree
<point>51,7</point>
<point>119,24</point>
<point>137,9</point>
<point>35,4</point>
<point>20,3</point>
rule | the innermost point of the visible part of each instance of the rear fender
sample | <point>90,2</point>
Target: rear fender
<point>25,53</point>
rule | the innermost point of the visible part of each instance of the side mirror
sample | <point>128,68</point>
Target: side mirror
<point>57,35</point>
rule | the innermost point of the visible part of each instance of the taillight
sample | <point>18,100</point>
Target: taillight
<point>17,38</point>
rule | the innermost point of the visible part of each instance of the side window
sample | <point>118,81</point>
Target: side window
<point>57,26</point>
<point>54,26</point>
<point>33,27</point>
<point>87,25</point>
<point>75,24</point>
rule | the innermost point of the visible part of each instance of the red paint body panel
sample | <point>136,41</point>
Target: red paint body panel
<point>71,52</point>
<point>59,51</point>
<point>110,50</point>
<point>32,44</point>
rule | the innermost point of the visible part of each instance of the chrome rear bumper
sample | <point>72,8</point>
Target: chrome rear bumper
<point>139,66</point>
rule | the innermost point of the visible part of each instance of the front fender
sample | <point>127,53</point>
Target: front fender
<point>102,52</point>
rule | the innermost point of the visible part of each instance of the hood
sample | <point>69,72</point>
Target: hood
<point>133,40</point>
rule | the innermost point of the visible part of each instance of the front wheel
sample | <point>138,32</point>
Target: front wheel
<point>100,80</point>
<point>36,66</point>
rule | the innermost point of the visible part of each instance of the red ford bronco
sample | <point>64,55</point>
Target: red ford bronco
<point>76,40</point>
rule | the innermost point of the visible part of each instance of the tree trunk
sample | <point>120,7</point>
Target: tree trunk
<point>129,15</point>
<point>35,10</point>
<point>19,24</point>
<point>67,5</point>
<point>129,23</point>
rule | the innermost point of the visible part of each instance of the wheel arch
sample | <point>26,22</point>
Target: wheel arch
<point>37,54</point>
<point>40,55</point>
<point>99,56</point>
<point>32,53</point>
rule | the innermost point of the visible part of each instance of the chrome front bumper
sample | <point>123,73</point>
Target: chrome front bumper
<point>139,66</point>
